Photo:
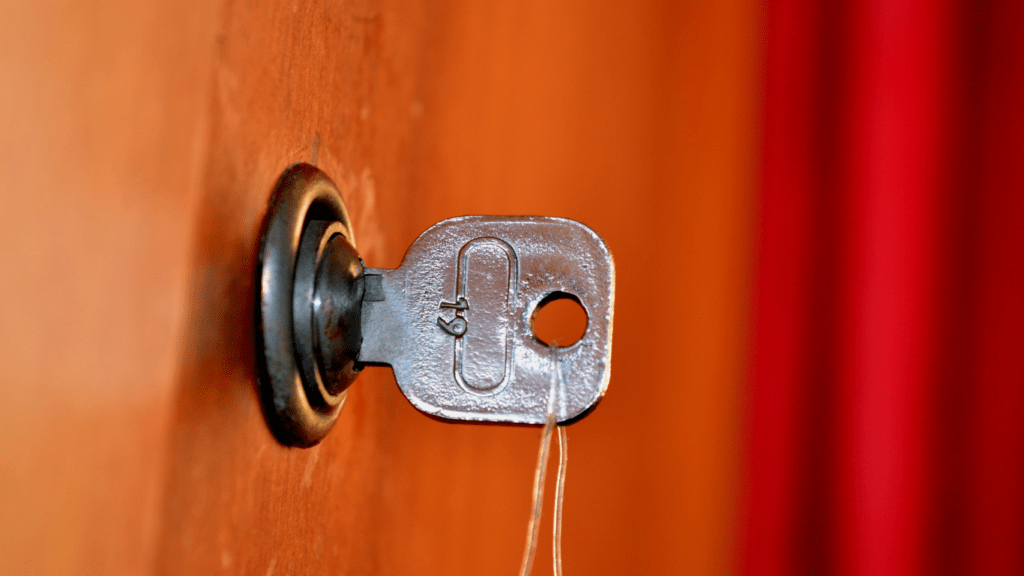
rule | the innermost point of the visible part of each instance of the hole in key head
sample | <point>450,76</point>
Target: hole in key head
<point>559,319</point>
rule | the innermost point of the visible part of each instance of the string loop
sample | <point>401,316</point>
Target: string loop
<point>533,527</point>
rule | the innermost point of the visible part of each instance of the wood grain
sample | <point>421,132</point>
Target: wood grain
<point>103,137</point>
<point>140,144</point>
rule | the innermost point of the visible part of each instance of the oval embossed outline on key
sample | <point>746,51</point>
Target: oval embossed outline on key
<point>487,280</point>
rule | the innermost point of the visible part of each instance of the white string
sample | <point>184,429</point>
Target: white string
<point>556,541</point>
<point>538,500</point>
<point>533,528</point>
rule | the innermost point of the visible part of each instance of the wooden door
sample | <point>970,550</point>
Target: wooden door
<point>139,142</point>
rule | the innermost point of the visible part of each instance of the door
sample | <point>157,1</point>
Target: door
<point>140,142</point>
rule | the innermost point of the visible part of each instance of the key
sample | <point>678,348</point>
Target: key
<point>454,320</point>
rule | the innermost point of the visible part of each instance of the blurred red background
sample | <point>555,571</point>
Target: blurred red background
<point>886,413</point>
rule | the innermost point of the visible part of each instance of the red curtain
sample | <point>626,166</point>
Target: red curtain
<point>886,416</point>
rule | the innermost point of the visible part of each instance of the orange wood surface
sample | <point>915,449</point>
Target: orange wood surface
<point>140,142</point>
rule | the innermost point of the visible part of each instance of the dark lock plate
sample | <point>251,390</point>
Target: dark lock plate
<point>307,339</point>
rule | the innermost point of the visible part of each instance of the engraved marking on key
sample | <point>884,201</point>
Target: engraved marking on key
<point>488,275</point>
<point>456,326</point>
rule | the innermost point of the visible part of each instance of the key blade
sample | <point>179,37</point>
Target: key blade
<point>454,320</point>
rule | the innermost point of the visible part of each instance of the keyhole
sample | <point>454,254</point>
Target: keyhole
<point>559,320</point>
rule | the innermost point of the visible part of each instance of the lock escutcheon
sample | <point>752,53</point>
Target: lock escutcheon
<point>309,292</point>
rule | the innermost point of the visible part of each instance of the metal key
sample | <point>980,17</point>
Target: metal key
<point>454,320</point>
